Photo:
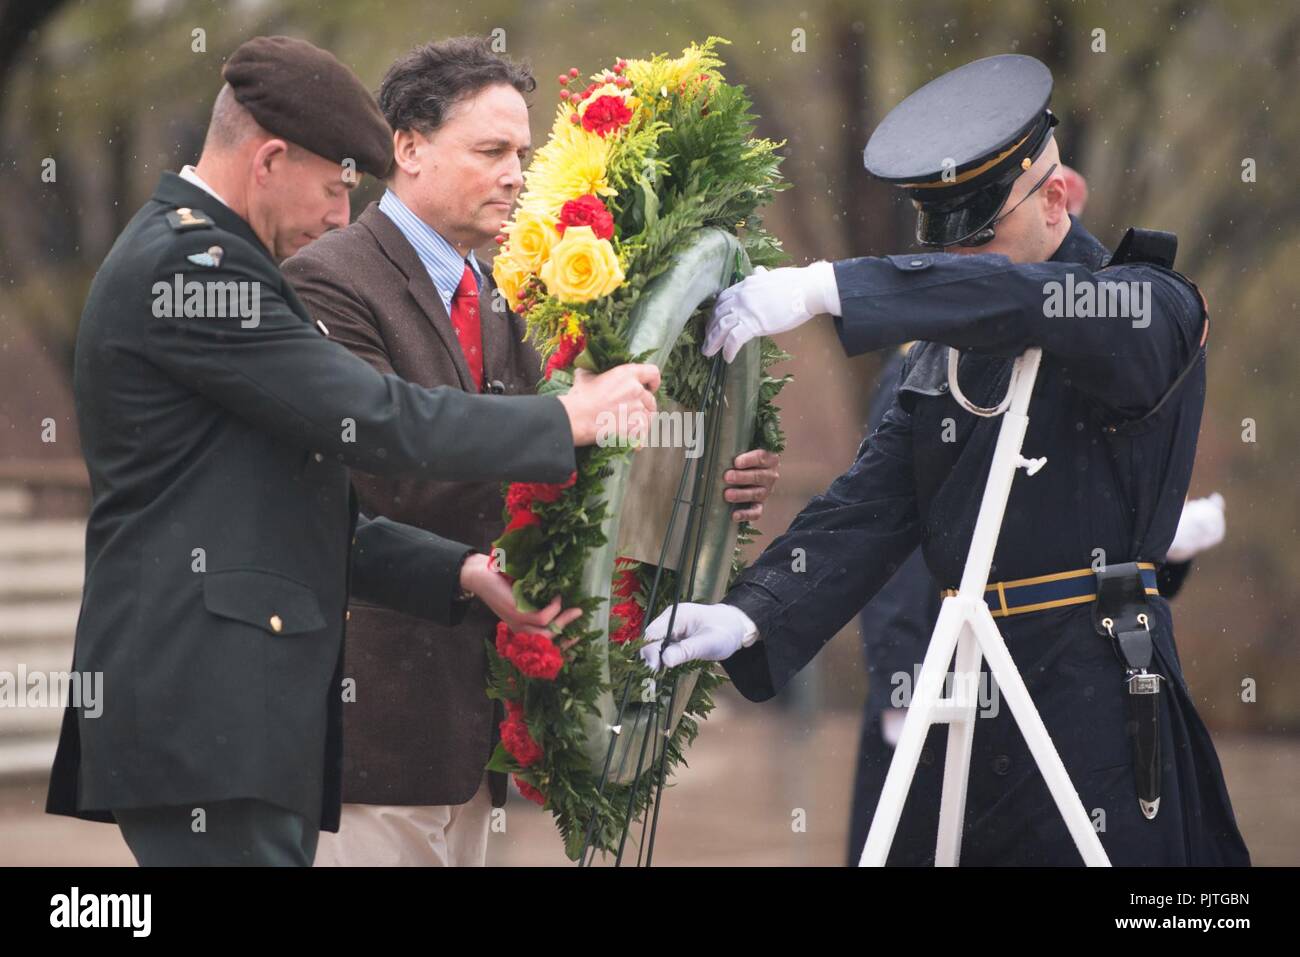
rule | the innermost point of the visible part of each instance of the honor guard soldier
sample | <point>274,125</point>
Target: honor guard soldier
<point>895,628</point>
<point>1115,411</point>
<point>218,424</point>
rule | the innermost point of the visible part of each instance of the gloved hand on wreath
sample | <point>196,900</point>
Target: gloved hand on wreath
<point>700,633</point>
<point>769,302</point>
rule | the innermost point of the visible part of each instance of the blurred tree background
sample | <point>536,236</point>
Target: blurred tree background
<point>1176,112</point>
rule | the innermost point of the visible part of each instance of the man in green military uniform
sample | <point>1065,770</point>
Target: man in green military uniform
<point>218,424</point>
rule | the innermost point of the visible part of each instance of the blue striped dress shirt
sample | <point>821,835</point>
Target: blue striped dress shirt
<point>440,258</point>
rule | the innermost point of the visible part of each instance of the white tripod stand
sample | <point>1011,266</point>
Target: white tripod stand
<point>966,625</point>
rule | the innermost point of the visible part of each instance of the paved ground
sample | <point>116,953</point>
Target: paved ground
<point>750,769</point>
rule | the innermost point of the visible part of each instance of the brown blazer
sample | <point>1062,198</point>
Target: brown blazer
<point>422,727</point>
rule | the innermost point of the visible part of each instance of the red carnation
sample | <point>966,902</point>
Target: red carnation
<point>605,114</point>
<point>515,737</point>
<point>522,495</point>
<point>568,350</point>
<point>519,506</point>
<point>625,578</point>
<point>633,618</point>
<point>547,493</point>
<point>522,518</point>
<point>533,653</point>
<point>551,492</point>
<point>519,495</point>
<point>530,792</point>
<point>587,211</point>
<point>563,356</point>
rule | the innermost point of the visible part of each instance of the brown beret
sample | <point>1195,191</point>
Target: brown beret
<point>303,94</point>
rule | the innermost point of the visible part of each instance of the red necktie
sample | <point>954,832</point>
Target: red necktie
<point>464,319</point>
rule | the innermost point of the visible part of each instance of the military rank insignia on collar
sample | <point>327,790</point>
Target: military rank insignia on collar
<point>183,218</point>
<point>211,258</point>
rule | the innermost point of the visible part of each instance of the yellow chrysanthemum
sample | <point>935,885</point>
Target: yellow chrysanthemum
<point>662,76</point>
<point>571,164</point>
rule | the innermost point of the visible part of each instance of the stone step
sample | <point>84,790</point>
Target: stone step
<point>21,662</point>
<point>36,655</point>
<point>24,717</point>
<point>36,647</point>
<point>27,722</point>
<point>41,577</point>
<point>31,756</point>
<point>53,537</point>
<point>15,502</point>
<point>44,621</point>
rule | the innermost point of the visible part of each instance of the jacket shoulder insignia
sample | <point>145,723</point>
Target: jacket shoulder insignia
<point>211,258</point>
<point>184,218</point>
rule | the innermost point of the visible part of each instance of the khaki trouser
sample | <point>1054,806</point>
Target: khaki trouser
<point>380,835</point>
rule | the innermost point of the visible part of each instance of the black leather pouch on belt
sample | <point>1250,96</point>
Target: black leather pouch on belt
<point>1122,614</point>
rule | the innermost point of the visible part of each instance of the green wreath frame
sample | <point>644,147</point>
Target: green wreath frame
<point>709,263</point>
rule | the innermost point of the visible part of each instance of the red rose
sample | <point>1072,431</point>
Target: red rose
<point>587,211</point>
<point>515,737</point>
<point>605,114</point>
<point>530,792</point>
<point>533,653</point>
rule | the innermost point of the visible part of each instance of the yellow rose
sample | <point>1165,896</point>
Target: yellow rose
<point>581,267</point>
<point>510,275</point>
<point>531,238</point>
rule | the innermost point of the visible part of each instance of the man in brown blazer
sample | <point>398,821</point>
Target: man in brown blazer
<point>392,287</point>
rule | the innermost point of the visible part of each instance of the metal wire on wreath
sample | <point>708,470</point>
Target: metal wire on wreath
<point>698,507</point>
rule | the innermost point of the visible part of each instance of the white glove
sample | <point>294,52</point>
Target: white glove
<point>891,725</point>
<point>700,633</point>
<point>1200,527</point>
<point>770,302</point>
